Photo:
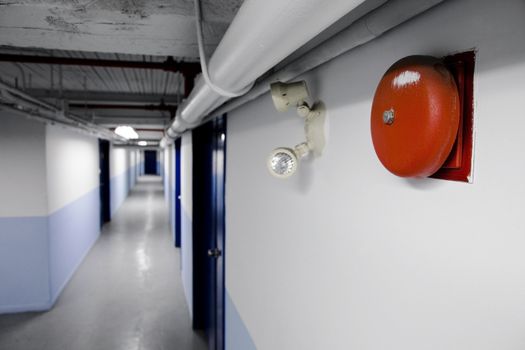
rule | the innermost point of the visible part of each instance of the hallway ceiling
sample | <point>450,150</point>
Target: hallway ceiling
<point>146,27</point>
<point>86,90</point>
<point>120,30</point>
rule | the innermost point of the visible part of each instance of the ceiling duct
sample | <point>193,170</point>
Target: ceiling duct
<point>251,47</point>
<point>19,102</point>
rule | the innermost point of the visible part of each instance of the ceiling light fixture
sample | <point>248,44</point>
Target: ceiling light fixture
<point>142,143</point>
<point>283,161</point>
<point>127,132</point>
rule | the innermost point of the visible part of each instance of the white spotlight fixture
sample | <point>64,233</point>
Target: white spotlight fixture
<point>142,143</point>
<point>283,162</point>
<point>284,95</point>
<point>126,132</point>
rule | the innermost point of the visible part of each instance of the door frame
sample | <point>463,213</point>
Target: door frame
<point>217,266</point>
<point>209,163</point>
<point>177,199</point>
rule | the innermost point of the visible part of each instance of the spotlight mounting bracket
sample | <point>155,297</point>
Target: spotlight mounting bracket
<point>296,93</point>
<point>314,129</point>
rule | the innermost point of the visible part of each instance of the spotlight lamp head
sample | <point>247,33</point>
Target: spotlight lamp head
<point>283,162</point>
<point>285,95</point>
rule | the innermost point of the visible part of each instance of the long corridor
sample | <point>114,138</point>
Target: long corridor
<point>126,295</point>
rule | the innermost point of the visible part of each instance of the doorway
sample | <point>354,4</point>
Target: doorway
<point>209,146</point>
<point>177,202</point>
<point>150,162</point>
<point>105,205</point>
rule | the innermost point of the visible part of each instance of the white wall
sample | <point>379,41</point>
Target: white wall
<point>160,161</point>
<point>186,218</point>
<point>51,205</point>
<point>141,162</point>
<point>22,175</point>
<point>132,161</point>
<point>167,165</point>
<point>119,161</point>
<point>72,166</point>
<point>24,241</point>
<point>74,202</point>
<point>123,174</point>
<point>347,256</point>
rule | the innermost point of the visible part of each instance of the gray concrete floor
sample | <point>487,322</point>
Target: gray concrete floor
<point>126,295</point>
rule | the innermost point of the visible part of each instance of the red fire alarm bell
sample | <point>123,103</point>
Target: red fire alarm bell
<point>415,116</point>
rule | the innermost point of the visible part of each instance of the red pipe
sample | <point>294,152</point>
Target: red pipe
<point>153,130</point>
<point>170,65</point>
<point>161,107</point>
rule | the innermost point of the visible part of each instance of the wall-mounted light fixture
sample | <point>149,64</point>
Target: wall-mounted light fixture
<point>283,161</point>
<point>127,132</point>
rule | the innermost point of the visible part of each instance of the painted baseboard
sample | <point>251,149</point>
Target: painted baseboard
<point>24,263</point>
<point>12,309</point>
<point>39,255</point>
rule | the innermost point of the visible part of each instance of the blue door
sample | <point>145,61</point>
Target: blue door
<point>209,145</point>
<point>178,205</point>
<point>216,248</point>
<point>150,162</point>
<point>105,211</point>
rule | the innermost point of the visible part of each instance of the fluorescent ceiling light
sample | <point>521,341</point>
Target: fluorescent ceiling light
<point>142,143</point>
<point>126,132</point>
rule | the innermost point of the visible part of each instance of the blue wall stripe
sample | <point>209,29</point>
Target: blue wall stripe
<point>24,272</point>
<point>187,259</point>
<point>73,230</point>
<point>39,255</point>
<point>237,335</point>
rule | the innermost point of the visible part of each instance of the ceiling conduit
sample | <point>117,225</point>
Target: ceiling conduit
<point>19,102</point>
<point>251,47</point>
<point>263,33</point>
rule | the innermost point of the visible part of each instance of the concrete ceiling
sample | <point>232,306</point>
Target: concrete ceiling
<point>120,30</point>
<point>149,27</point>
<point>86,90</point>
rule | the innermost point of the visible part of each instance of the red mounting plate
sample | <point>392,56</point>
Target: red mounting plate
<point>458,166</point>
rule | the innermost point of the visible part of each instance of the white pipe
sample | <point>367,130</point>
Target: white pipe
<point>388,16</point>
<point>202,56</point>
<point>234,71</point>
<point>262,34</point>
<point>19,102</point>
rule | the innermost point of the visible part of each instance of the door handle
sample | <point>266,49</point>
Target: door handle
<point>214,253</point>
